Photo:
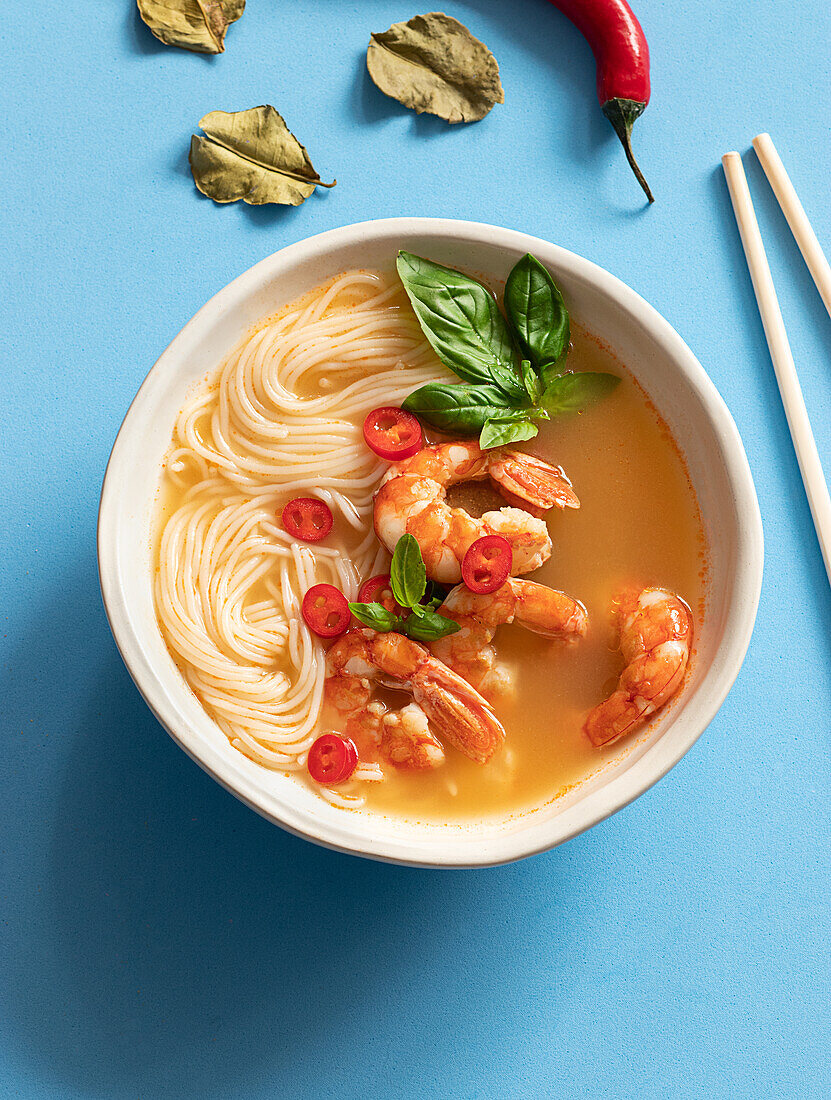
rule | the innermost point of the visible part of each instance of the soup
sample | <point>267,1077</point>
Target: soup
<point>283,420</point>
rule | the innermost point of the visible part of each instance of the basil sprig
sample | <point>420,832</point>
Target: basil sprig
<point>513,369</point>
<point>408,581</point>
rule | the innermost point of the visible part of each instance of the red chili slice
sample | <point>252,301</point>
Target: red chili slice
<point>487,564</point>
<point>326,611</point>
<point>378,590</point>
<point>332,759</point>
<point>307,518</point>
<point>392,433</point>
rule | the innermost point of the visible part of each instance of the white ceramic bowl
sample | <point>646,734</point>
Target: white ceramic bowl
<point>674,380</point>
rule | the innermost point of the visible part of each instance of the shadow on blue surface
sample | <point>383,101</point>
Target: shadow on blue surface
<point>176,930</point>
<point>274,214</point>
<point>141,40</point>
<point>144,42</point>
<point>370,103</point>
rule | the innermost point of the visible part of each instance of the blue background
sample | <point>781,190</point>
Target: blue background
<point>160,940</point>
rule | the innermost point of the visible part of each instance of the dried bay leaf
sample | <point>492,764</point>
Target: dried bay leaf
<point>433,63</point>
<point>251,155</point>
<point>197,25</point>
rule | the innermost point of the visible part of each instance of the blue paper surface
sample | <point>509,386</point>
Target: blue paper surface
<point>158,938</point>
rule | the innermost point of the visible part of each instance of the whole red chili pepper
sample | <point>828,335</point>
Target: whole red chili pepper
<point>622,56</point>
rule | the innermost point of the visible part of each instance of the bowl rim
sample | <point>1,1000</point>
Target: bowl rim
<point>609,798</point>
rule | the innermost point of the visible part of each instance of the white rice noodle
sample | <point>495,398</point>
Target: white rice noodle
<point>284,420</point>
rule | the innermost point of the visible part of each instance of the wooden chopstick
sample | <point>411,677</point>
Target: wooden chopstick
<point>797,219</point>
<point>780,352</point>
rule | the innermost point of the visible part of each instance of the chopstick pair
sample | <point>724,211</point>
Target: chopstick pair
<point>784,367</point>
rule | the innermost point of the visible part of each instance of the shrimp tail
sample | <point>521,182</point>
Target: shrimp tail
<point>361,657</point>
<point>458,711</point>
<point>528,479</point>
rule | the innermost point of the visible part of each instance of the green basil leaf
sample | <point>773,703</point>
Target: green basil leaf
<point>498,432</point>
<point>408,577</point>
<point>537,313</point>
<point>574,392</point>
<point>197,25</point>
<point>462,321</point>
<point>433,63</point>
<point>531,381</point>
<point>428,626</point>
<point>462,409</point>
<point>375,615</point>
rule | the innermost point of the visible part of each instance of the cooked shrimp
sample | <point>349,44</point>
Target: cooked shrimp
<point>655,639</point>
<point>538,608</point>
<point>412,499</point>
<point>455,709</point>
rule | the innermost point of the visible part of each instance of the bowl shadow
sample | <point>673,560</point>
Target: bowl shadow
<point>144,43</point>
<point>178,938</point>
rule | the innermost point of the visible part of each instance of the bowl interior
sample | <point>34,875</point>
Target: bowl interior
<point>642,340</point>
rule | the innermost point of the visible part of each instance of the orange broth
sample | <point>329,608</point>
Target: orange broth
<point>638,523</point>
